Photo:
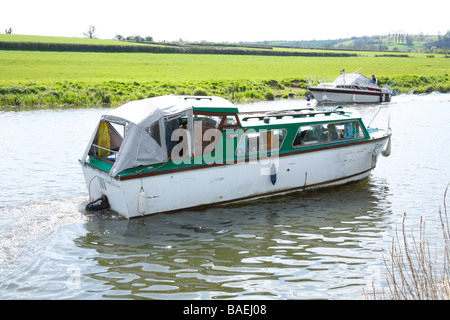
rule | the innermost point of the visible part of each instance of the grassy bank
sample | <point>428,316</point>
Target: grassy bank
<point>117,92</point>
<point>30,78</point>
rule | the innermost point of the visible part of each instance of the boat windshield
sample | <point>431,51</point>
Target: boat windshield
<point>352,78</point>
<point>208,121</point>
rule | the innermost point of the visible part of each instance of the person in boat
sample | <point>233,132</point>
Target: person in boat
<point>332,132</point>
<point>373,80</point>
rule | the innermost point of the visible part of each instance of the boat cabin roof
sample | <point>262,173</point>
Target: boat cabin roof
<point>146,111</point>
<point>306,115</point>
<point>210,104</point>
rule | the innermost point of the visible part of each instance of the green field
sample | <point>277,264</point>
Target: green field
<point>62,78</point>
<point>49,39</point>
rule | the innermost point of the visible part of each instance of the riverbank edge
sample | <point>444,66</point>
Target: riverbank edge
<point>70,93</point>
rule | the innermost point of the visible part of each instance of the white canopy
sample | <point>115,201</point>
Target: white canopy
<point>138,146</point>
<point>145,112</point>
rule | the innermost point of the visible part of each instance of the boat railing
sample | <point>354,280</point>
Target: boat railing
<point>112,153</point>
<point>295,113</point>
<point>316,80</point>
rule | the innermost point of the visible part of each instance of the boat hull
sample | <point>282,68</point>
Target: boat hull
<point>221,183</point>
<point>329,95</point>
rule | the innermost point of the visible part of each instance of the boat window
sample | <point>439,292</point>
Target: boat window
<point>169,127</point>
<point>154,131</point>
<point>231,121</point>
<point>260,142</point>
<point>206,132</point>
<point>351,130</point>
<point>118,128</point>
<point>327,133</point>
<point>208,121</point>
<point>177,134</point>
<point>108,140</point>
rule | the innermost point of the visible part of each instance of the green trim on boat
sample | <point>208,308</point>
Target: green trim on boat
<point>102,165</point>
<point>227,110</point>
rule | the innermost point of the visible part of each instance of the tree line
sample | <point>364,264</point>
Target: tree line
<point>49,46</point>
<point>394,41</point>
<point>135,38</point>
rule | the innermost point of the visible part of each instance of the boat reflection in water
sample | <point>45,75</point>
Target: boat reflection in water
<point>296,246</point>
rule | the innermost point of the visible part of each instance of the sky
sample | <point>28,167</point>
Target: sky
<point>225,20</point>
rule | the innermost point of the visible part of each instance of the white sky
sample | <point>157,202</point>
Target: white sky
<point>228,21</point>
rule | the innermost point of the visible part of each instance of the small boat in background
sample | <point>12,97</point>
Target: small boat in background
<point>349,88</point>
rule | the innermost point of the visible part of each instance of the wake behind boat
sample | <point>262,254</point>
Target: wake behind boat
<point>174,152</point>
<point>349,88</point>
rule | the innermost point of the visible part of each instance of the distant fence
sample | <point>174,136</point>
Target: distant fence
<point>75,47</point>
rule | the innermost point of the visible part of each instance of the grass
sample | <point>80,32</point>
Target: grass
<point>62,78</point>
<point>95,66</point>
<point>415,271</point>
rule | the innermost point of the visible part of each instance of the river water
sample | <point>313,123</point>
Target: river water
<point>315,245</point>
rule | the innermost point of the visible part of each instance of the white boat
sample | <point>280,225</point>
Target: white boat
<point>349,88</point>
<point>169,153</point>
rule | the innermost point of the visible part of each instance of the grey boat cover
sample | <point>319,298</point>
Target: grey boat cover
<point>138,146</point>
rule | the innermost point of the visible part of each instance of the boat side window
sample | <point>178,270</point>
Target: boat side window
<point>176,134</point>
<point>206,132</point>
<point>154,131</point>
<point>170,125</point>
<point>352,130</point>
<point>328,133</point>
<point>260,142</point>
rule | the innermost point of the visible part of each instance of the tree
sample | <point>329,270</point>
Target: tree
<point>138,38</point>
<point>409,40</point>
<point>443,42</point>
<point>90,33</point>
